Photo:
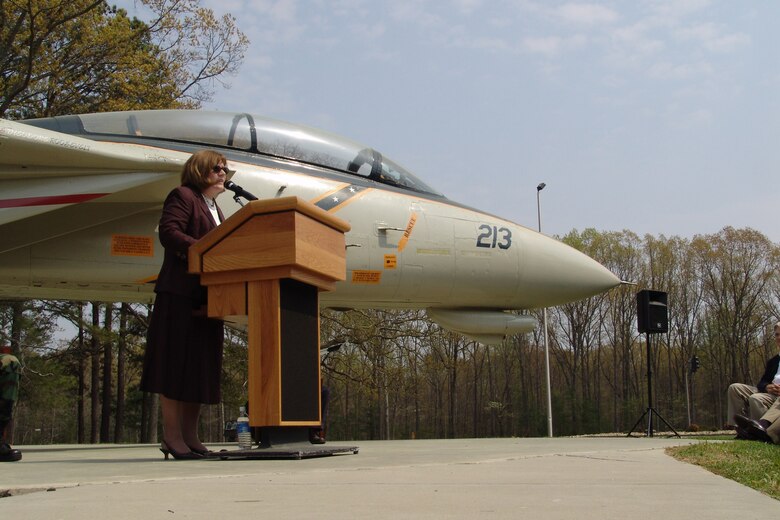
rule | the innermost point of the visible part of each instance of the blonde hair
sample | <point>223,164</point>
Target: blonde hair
<point>198,167</point>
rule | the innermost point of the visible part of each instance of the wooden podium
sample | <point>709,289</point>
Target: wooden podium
<point>264,267</point>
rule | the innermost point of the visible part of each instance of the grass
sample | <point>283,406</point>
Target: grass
<point>753,464</point>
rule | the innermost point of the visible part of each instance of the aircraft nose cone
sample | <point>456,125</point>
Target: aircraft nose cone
<point>554,273</point>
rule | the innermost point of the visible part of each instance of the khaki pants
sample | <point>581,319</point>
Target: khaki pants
<point>772,415</point>
<point>748,401</point>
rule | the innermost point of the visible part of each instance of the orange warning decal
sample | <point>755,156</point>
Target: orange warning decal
<point>131,245</point>
<point>409,227</point>
<point>391,261</point>
<point>366,277</point>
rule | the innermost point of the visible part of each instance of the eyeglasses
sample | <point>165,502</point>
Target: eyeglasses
<point>218,168</point>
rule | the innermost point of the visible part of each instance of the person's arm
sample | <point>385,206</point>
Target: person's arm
<point>177,212</point>
<point>765,385</point>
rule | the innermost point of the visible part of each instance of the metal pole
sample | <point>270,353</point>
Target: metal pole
<point>539,188</point>
<point>688,396</point>
<point>693,397</point>
<point>649,389</point>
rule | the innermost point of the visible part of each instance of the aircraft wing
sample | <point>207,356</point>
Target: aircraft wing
<point>60,182</point>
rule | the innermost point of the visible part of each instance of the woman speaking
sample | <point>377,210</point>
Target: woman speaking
<point>183,359</point>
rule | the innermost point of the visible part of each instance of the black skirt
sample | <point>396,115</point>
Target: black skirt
<point>183,359</point>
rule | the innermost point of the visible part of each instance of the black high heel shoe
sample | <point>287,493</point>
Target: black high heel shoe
<point>203,453</point>
<point>189,455</point>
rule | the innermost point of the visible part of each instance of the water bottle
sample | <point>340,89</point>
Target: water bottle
<point>243,431</point>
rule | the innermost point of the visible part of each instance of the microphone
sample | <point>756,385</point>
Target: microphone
<point>239,191</point>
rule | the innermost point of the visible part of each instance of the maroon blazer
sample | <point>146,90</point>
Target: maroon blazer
<point>185,219</point>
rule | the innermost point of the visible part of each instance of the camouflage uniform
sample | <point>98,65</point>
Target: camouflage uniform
<point>9,391</point>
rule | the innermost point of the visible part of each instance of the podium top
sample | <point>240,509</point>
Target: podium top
<point>259,208</point>
<point>277,205</point>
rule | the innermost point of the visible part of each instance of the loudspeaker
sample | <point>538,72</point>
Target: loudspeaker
<point>652,311</point>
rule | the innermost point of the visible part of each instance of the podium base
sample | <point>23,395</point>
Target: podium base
<point>286,442</point>
<point>288,452</point>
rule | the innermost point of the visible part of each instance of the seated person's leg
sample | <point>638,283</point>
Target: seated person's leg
<point>770,420</point>
<point>758,404</point>
<point>737,399</point>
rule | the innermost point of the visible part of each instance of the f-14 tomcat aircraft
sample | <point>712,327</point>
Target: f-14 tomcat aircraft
<point>81,196</point>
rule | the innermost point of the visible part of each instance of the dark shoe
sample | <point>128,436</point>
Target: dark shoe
<point>9,454</point>
<point>741,434</point>
<point>743,422</point>
<point>755,430</point>
<point>188,455</point>
<point>204,453</point>
<point>316,436</point>
<point>758,432</point>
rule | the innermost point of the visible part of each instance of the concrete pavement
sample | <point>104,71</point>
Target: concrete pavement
<point>536,478</point>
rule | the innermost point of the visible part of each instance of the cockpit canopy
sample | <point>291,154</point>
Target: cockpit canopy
<point>245,132</point>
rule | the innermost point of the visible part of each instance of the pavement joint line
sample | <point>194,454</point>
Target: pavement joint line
<point>22,490</point>
<point>591,457</point>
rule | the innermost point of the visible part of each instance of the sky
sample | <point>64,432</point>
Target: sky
<point>658,117</point>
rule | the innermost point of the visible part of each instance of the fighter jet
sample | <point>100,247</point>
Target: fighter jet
<point>81,196</point>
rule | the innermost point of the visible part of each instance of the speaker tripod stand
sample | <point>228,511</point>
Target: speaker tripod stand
<point>650,410</point>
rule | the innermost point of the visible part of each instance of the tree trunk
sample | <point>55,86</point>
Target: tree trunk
<point>149,410</point>
<point>108,365</point>
<point>143,434</point>
<point>16,327</point>
<point>119,425</point>
<point>95,371</point>
<point>154,412</point>
<point>453,386</point>
<point>82,369</point>
<point>475,396</point>
<point>491,392</point>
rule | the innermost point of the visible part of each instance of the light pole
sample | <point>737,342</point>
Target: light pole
<point>539,188</point>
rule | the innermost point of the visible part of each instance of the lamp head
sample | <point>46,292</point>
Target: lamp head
<point>541,186</point>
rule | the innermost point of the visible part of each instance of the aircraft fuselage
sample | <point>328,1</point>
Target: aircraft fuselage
<point>79,212</point>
